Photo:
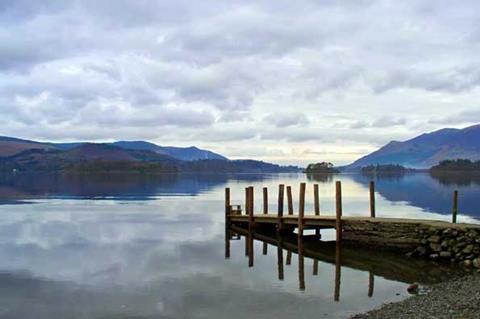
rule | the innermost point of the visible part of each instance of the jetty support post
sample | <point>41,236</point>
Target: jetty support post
<point>281,188</point>
<point>301,211</point>
<point>289,200</point>
<point>251,226</point>
<point>301,258</point>
<point>265,200</point>
<point>251,221</point>
<point>338,205</point>
<point>372,199</point>
<point>227,223</point>
<point>316,201</point>
<point>455,206</point>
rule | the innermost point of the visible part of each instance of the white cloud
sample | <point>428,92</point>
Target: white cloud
<point>210,73</point>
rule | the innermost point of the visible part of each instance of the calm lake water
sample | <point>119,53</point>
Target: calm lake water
<point>153,247</point>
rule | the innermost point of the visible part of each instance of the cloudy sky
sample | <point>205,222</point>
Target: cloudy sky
<point>279,80</point>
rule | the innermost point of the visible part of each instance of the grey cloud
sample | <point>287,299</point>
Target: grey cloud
<point>286,119</point>
<point>206,69</point>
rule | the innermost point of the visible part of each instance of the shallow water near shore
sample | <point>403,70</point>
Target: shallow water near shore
<point>153,247</point>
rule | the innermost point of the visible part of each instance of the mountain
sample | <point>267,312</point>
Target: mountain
<point>126,157</point>
<point>428,149</point>
<point>182,153</point>
<point>10,146</point>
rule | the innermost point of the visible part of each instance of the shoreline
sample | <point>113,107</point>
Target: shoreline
<point>456,298</point>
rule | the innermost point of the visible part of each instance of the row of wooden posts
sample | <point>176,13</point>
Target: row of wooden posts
<point>249,204</point>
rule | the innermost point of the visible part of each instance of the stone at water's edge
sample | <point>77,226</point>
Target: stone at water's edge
<point>458,243</point>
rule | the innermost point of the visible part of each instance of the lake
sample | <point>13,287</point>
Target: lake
<point>153,247</point>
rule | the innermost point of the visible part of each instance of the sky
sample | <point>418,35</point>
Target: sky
<point>290,82</point>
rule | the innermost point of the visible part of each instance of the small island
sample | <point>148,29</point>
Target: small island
<point>321,168</point>
<point>456,166</point>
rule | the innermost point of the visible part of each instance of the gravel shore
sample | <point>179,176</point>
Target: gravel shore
<point>459,298</point>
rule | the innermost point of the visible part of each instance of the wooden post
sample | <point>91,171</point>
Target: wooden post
<point>246,200</point>
<point>338,204</point>
<point>289,200</point>
<point>265,248</point>
<point>227,223</point>
<point>251,222</point>
<point>301,209</point>
<point>265,200</point>
<point>316,198</point>
<point>372,199</point>
<point>301,259</point>
<point>280,208</point>
<point>455,206</point>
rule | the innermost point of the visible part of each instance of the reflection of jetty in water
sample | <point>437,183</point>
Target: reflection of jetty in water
<point>390,266</point>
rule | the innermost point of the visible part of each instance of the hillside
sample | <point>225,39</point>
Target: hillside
<point>10,146</point>
<point>427,150</point>
<point>131,157</point>
<point>191,153</point>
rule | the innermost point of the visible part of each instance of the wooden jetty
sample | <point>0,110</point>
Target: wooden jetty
<point>397,234</point>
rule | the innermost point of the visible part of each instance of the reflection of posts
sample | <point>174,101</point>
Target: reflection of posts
<point>280,258</point>
<point>371,281</point>
<point>338,272</point>
<point>301,265</point>
<point>250,250</point>
<point>315,267</point>
<point>227,223</point>
<point>289,258</point>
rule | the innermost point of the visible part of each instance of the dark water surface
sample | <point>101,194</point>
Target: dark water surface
<point>153,247</point>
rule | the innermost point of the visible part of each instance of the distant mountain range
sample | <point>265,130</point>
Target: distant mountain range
<point>427,150</point>
<point>11,146</point>
<point>137,156</point>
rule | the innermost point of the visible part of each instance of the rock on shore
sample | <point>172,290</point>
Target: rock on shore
<point>459,298</point>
